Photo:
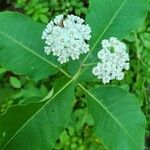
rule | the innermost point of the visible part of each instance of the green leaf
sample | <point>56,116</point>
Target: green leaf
<point>119,122</point>
<point>44,18</point>
<point>37,125</point>
<point>86,75</point>
<point>2,70</point>
<point>31,92</point>
<point>115,18</point>
<point>15,82</point>
<point>21,47</point>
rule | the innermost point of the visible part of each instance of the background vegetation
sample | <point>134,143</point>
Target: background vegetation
<point>21,89</point>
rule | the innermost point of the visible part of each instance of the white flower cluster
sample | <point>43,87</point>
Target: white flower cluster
<point>66,37</point>
<point>113,59</point>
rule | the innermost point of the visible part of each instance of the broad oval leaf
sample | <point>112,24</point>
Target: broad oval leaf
<point>37,125</point>
<point>21,47</point>
<point>118,120</point>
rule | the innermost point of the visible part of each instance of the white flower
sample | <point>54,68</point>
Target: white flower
<point>113,60</point>
<point>66,37</point>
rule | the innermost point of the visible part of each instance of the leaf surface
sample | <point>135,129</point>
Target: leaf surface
<point>37,125</point>
<point>21,47</point>
<point>115,18</point>
<point>118,120</point>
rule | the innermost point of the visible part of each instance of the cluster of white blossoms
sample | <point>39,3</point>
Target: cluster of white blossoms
<point>66,37</point>
<point>113,60</point>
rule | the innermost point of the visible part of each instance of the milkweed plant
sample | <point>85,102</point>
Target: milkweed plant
<point>81,51</point>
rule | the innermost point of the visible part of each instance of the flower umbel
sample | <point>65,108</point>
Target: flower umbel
<point>113,60</point>
<point>66,37</point>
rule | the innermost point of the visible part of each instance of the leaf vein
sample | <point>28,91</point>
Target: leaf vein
<point>34,53</point>
<point>113,117</point>
<point>67,84</point>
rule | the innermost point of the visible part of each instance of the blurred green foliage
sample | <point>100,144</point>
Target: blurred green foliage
<point>20,89</point>
<point>44,10</point>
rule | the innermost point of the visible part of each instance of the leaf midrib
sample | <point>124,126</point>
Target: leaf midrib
<point>34,53</point>
<point>67,84</point>
<point>111,115</point>
<point>105,29</point>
